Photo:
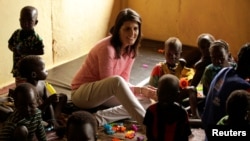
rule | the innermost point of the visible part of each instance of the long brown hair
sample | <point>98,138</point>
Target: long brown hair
<point>126,14</point>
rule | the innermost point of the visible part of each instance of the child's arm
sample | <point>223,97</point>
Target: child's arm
<point>12,42</point>
<point>12,48</point>
<point>47,102</point>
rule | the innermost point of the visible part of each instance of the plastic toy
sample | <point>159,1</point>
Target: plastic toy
<point>119,128</point>
<point>50,88</point>
<point>141,138</point>
<point>130,134</point>
<point>108,129</point>
<point>134,127</point>
<point>161,50</point>
<point>183,82</point>
<point>116,139</point>
<point>144,65</point>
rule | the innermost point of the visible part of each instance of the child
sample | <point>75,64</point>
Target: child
<point>237,118</point>
<point>25,41</point>
<point>166,119</point>
<point>32,68</point>
<point>176,66</point>
<point>219,53</point>
<point>204,41</point>
<point>81,126</point>
<point>237,107</point>
<point>173,64</point>
<point>26,120</point>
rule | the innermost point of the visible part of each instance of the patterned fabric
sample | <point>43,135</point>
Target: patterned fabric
<point>169,123</point>
<point>33,124</point>
<point>160,69</point>
<point>27,44</point>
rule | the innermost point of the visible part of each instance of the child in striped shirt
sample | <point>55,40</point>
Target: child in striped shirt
<point>26,120</point>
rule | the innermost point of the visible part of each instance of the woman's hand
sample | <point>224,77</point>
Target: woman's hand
<point>149,92</point>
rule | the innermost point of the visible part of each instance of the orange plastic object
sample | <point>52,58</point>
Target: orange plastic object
<point>183,83</point>
<point>116,139</point>
<point>130,134</point>
<point>118,128</point>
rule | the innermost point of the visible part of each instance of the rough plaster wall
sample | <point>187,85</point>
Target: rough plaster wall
<point>77,26</point>
<point>228,20</point>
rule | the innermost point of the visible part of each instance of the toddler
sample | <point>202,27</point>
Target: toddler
<point>173,63</point>
<point>177,66</point>
<point>25,41</point>
<point>166,119</point>
<point>204,41</point>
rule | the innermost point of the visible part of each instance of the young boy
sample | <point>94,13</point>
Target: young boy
<point>25,41</point>
<point>237,107</point>
<point>175,65</point>
<point>32,68</point>
<point>166,119</point>
<point>26,120</point>
<point>204,41</point>
<point>237,118</point>
<point>81,126</point>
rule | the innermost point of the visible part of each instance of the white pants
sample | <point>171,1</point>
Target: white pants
<point>118,112</point>
<point>113,92</point>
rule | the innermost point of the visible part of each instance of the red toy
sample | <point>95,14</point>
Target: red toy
<point>183,82</point>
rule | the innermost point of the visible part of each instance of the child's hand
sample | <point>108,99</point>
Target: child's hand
<point>55,98</point>
<point>188,90</point>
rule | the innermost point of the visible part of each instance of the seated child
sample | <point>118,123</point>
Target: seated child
<point>81,126</point>
<point>167,119</point>
<point>176,66</point>
<point>238,108</point>
<point>32,68</point>
<point>173,63</point>
<point>219,53</point>
<point>26,120</point>
<point>237,118</point>
<point>204,41</point>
